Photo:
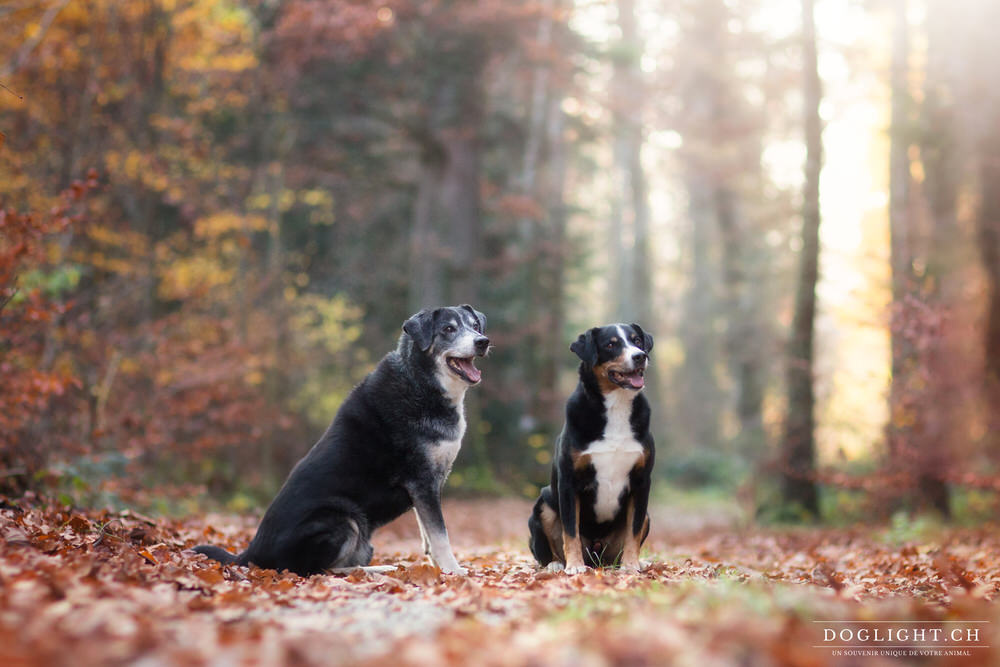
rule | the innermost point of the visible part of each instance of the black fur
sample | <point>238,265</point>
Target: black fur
<point>574,484</point>
<point>373,463</point>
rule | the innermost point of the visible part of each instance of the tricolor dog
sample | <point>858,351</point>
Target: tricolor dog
<point>594,511</point>
<point>390,448</point>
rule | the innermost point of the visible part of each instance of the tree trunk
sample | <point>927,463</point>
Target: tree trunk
<point>918,396</point>
<point>743,333</point>
<point>700,400</point>
<point>535,252</point>
<point>901,243</point>
<point>553,282</point>
<point>630,292</point>
<point>799,453</point>
<point>445,237</point>
<point>988,228</point>
<point>940,396</point>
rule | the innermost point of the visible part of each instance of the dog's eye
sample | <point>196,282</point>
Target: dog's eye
<point>610,346</point>
<point>635,339</point>
<point>449,329</point>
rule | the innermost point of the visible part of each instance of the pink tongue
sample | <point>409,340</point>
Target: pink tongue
<point>469,369</point>
<point>636,380</point>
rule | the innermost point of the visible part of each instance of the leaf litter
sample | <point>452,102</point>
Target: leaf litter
<point>93,587</point>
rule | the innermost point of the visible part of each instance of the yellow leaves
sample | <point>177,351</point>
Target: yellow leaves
<point>190,276</point>
<point>115,251</point>
<point>318,200</point>
<point>225,222</point>
<point>129,366</point>
<point>537,440</point>
<point>540,442</point>
<point>254,378</point>
<point>263,201</point>
<point>219,37</point>
<point>332,322</point>
<point>163,378</point>
<point>128,241</point>
<point>224,62</point>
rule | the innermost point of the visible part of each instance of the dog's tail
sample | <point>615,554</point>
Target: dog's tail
<point>218,553</point>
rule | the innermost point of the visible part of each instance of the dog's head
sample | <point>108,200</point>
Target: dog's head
<point>452,337</point>
<point>616,354</point>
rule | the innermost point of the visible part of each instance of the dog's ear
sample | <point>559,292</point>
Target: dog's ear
<point>478,315</point>
<point>420,327</point>
<point>647,339</point>
<point>585,347</point>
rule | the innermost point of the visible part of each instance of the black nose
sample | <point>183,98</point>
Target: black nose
<point>482,344</point>
<point>639,357</point>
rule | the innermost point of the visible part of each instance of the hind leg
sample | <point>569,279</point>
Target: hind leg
<point>355,549</point>
<point>330,539</point>
<point>546,532</point>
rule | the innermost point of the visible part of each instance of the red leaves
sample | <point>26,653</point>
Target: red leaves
<point>26,315</point>
<point>118,587</point>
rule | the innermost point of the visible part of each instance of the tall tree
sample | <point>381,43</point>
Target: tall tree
<point>987,171</point>
<point>920,400</point>
<point>941,395</point>
<point>723,132</point>
<point>900,232</point>
<point>630,294</point>
<point>798,446</point>
<point>446,214</point>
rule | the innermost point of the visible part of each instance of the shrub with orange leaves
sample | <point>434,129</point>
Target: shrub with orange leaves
<point>27,316</point>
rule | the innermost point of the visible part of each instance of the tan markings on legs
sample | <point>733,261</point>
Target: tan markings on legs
<point>424,540</point>
<point>574,551</point>
<point>630,554</point>
<point>553,532</point>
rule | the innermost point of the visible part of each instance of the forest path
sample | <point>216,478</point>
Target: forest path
<point>95,588</point>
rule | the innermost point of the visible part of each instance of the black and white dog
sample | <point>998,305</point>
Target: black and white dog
<point>594,511</point>
<point>390,448</point>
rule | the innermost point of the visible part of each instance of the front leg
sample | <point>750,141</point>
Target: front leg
<point>427,504</point>
<point>569,514</point>
<point>630,552</point>
<point>635,524</point>
<point>425,543</point>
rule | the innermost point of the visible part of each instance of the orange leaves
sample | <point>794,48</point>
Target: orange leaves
<point>119,587</point>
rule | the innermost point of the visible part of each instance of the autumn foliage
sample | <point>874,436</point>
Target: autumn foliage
<point>93,587</point>
<point>28,312</point>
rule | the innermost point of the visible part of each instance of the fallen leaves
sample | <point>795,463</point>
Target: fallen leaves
<point>93,587</point>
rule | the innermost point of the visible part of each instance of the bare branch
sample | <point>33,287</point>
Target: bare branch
<point>22,54</point>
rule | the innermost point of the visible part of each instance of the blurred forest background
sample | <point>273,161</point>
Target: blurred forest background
<point>217,214</point>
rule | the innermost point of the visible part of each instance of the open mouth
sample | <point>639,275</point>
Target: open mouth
<point>465,368</point>
<point>632,380</point>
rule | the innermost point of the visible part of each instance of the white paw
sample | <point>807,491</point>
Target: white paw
<point>575,569</point>
<point>453,568</point>
<point>555,566</point>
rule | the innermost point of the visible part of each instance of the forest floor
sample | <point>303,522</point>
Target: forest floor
<point>84,587</point>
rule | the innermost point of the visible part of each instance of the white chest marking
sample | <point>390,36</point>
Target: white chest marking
<point>614,456</point>
<point>443,453</point>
